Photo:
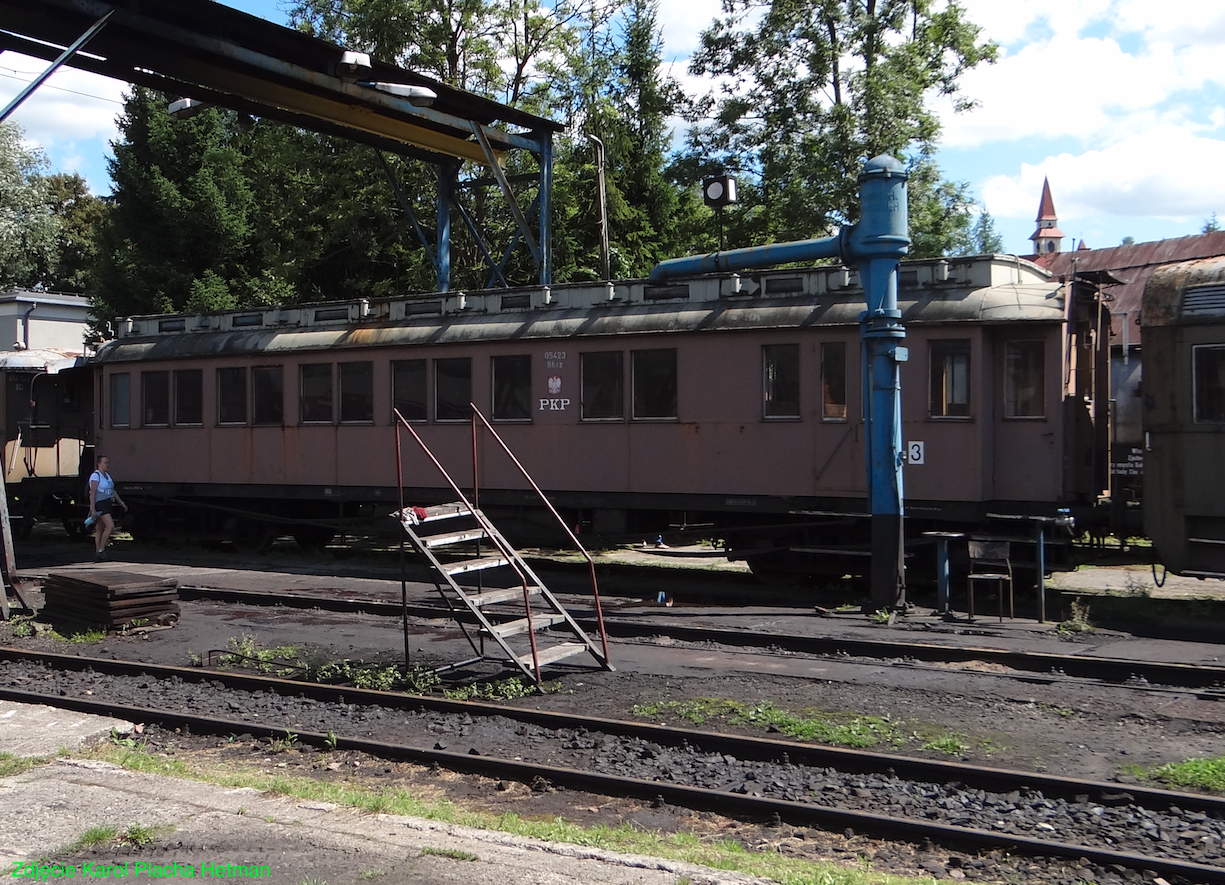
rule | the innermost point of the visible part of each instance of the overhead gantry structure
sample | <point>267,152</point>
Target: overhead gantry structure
<point>220,56</point>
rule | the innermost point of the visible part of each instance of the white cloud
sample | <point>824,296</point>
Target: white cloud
<point>70,105</point>
<point>1161,173</point>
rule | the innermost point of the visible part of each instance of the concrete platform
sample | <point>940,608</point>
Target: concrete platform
<point>35,730</point>
<point>288,841</point>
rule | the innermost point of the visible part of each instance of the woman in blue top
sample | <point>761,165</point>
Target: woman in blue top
<point>102,500</point>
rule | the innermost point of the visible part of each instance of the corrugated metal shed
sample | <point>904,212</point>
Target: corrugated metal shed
<point>1133,265</point>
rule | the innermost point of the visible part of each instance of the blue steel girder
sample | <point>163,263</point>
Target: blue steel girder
<point>204,50</point>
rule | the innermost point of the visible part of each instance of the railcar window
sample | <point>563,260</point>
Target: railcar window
<point>833,381</point>
<point>1024,379</point>
<point>452,389</point>
<point>232,396</point>
<point>120,400</point>
<point>1209,384</point>
<point>316,393</point>
<point>408,389</point>
<point>950,379</point>
<point>189,396</point>
<point>357,393</point>
<point>268,388</point>
<point>512,387</point>
<point>655,383</point>
<point>155,398</point>
<point>603,387</point>
<point>781,379</point>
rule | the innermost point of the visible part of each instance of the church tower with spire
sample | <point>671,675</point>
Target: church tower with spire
<point>1048,236</point>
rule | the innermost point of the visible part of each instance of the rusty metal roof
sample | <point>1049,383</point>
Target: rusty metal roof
<point>1042,302</point>
<point>1132,264</point>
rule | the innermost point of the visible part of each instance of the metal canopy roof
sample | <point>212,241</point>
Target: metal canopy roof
<point>210,52</point>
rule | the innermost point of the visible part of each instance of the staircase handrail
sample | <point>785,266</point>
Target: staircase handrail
<point>494,536</point>
<point>595,589</point>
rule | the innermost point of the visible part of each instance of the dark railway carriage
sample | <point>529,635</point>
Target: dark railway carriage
<point>1184,416</point>
<point>727,403</point>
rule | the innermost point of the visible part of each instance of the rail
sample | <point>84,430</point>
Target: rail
<point>595,589</point>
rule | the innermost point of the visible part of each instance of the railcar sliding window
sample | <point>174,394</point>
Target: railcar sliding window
<point>120,400</point>
<point>408,389</point>
<point>232,396</point>
<point>356,393</point>
<point>189,396</point>
<point>950,379</point>
<point>155,399</point>
<point>512,388</point>
<point>316,393</point>
<point>452,389</point>
<point>655,383</point>
<point>603,386</point>
<point>1209,384</point>
<point>1024,379</point>
<point>833,381</point>
<point>268,400</point>
<point>781,380</point>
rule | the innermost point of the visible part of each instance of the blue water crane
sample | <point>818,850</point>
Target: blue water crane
<point>875,244</point>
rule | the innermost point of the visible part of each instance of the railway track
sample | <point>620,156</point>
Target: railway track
<point>1034,667</point>
<point>1177,836</point>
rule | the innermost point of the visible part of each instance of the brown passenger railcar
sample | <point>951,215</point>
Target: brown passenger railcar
<point>723,402</point>
<point>1184,416</point>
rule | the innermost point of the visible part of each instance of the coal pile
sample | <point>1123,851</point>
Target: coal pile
<point>111,599</point>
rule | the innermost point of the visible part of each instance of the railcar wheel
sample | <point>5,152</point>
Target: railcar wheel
<point>313,539</point>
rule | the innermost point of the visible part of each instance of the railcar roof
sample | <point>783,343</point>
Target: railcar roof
<point>1190,292</point>
<point>931,292</point>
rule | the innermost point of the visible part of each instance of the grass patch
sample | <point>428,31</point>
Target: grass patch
<point>1078,622</point>
<point>1197,774</point>
<point>949,745</point>
<point>452,853</point>
<point>94,836</point>
<point>140,835</point>
<point>244,651</point>
<point>11,765</point>
<point>719,853</point>
<point>503,690</point>
<point>840,729</point>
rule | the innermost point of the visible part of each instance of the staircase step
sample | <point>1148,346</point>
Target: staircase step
<point>454,538</point>
<point>511,594</point>
<point>474,565</point>
<point>556,653</point>
<point>539,622</point>
<point>446,511</point>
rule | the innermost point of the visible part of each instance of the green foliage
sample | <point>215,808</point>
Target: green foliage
<point>11,765</point>
<point>376,677</point>
<point>244,652</point>
<point>503,690</point>
<point>949,745</point>
<point>452,853</point>
<point>140,835</point>
<point>821,88</point>
<point>1198,774</point>
<point>281,745</point>
<point>102,834</point>
<point>881,616</point>
<point>22,626</point>
<point>80,215</point>
<point>1211,225</point>
<point>29,228</point>
<point>810,725</point>
<point>1078,622</point>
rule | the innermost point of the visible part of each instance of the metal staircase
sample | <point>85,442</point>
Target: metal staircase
<point>516,615</point>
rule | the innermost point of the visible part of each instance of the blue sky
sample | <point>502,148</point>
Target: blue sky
<point>1120,102</point>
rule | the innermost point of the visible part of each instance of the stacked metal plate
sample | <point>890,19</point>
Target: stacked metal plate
<point>111,599</point>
